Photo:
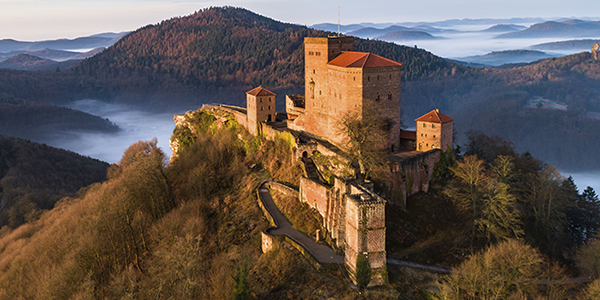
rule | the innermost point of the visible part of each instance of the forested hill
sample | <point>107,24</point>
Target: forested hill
<point>232,46</point>
<point>202,54</point>
<point>34,176</point>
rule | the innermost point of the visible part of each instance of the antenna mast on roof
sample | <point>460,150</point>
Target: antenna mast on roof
<point>338,21</point>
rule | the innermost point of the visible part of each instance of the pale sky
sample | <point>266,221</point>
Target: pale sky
<point>29,20</point>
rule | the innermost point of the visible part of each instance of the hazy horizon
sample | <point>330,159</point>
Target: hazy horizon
<point>33,20</point>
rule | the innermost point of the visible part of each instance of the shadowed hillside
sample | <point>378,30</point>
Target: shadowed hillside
<point>34,176</point>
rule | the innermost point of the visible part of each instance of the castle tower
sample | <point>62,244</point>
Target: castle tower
<point>260,104</point>
<point>365,234</point>
<point>339,81</point>
<point>434,131</point>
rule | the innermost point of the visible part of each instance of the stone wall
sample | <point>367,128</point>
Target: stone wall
<point>415,172</point>
<point>315,195</point>
<point>284,189</point>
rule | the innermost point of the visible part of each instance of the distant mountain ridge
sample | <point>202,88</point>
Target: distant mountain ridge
<point>497,58</point>
<point>46,59</point>
<point>568,28</point>
<point>100,40</point>
<point>584,45</point>
<point>26,61</point>
<point>504,28</point>
<point>408,35</point>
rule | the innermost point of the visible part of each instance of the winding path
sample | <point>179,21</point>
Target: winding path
<point>320,252</point>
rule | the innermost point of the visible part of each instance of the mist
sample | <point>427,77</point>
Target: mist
<point>135,125</point>
<point>585,179</point>
<point>471,41</point>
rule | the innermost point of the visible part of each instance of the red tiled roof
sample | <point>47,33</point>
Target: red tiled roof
<point>260,91</point>
<point>435,116</point>
<point>352,59</point>
<point>408,135</point>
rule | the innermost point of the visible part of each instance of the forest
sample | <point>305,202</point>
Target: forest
<point>33,177</point>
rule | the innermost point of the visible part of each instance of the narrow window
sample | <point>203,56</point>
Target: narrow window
<point>377,77</point>
<point>313,71</point>
<point>432,125</point>
<point>424,125</point>
<point>377,98</point>
<point>368,78</point>
<point>261,107</point>
<point>270,109</point>
<point>269,99</point>
<point>390,76</point>
<point>261,100</point>
<point>389,96</point>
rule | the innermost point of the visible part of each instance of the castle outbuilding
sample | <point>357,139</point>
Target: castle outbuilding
<point>434,131</point>
<point>260,105</point>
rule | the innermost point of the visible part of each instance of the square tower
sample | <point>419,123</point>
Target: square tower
<point>260,106</point>
<point>434,131</point>
<point>365,234</point>
<point>339,82</point>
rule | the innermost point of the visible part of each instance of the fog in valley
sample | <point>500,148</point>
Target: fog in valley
<point>135,125</point>
<point>469,40</point>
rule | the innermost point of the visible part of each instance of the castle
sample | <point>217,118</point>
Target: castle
<point>339,82</point>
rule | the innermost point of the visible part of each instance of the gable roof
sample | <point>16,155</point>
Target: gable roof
<point>260,91</point>
<point>435,116</point>
<point>351,59</point>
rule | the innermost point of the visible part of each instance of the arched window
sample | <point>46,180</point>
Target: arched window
<point>389,96</point>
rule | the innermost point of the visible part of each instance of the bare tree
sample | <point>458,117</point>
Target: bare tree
<point>366,140</point>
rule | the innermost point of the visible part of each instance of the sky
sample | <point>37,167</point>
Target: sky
<point>30,20</point>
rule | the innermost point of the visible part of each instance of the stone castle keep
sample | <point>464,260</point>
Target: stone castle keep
<point>339,81</point>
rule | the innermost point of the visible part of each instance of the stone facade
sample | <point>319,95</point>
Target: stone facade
<point>339,82</point>
<point>354,218</point>
<point>260,104</point>
<point>434,131</point>
<point>365,234</point>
